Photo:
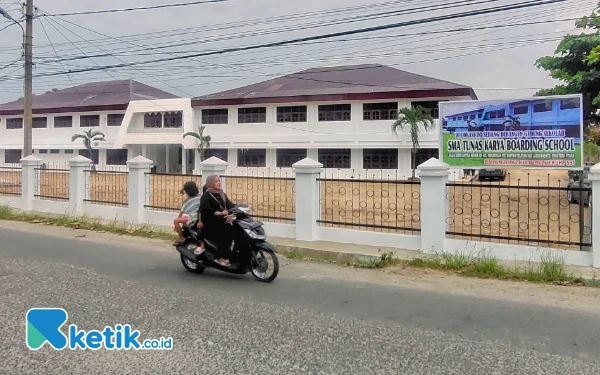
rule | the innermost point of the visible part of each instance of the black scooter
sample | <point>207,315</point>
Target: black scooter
<point>250,251</point>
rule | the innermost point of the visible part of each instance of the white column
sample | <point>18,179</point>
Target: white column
<point>308,209</point>
<point>214,165</point>
<point>138,168</point>
<point>434,206</point>
<point>167,161</point>
<point>144,150</point>
<point>594,176</point>
<point>77,182</point>
<point>29,184</point>
<point>183,160</point>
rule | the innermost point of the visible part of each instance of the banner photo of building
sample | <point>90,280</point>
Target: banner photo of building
<point>538,132</point>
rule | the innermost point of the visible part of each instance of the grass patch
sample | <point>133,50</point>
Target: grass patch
<point>115,227</point>
<point>385,260</point>
<point>551,269</point>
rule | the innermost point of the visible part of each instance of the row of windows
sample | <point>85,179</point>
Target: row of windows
<point>113,157</point>
<point>329,112</point>
<point>85,121</point>
<point>330,158</point>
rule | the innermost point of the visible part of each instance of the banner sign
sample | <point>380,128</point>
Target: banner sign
<point>539,132</point>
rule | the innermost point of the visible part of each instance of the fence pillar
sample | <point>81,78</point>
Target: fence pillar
<point>138,168</point>
<point>77,183</point>
<point>434,206</point>
<point>214,165</point>
<point>308,207</point>
<point>594,176</point>
<point>30,186</point>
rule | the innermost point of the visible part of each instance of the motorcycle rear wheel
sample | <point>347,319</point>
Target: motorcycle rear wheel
<point>191,266</point>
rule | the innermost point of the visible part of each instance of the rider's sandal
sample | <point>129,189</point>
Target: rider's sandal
<point>223,262</point>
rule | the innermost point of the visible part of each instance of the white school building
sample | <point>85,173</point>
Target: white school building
<point>340,116</point>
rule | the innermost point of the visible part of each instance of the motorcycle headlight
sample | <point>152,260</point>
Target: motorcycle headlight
<point>255,236</point>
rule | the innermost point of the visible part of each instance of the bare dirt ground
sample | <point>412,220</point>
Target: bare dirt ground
<point>521,209</point>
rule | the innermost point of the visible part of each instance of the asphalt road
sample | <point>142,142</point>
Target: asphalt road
<point>303,323</point>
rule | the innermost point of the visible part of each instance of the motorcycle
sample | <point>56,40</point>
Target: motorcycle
<point>250,251</point>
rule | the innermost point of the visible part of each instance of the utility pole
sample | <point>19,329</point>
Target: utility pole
<point>27,105</point>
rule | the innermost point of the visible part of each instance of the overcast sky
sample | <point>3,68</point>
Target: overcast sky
<point>495,58</point>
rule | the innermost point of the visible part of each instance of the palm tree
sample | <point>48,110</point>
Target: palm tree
<point>413,119</point>
<point>89,138</point>
<point>203,141</point>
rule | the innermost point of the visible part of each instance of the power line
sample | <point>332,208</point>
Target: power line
<point>308,26</point>
<point>324,36</point>
<point>142,8</point>
<point>254,22</point>
<point>102,50</point>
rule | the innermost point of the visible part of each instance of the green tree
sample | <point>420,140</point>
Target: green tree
<point>576,63</point>
<point>413,119</point>
<point>89,138</point>
<point>203,141</point>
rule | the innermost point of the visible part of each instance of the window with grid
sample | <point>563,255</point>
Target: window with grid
<point>89,121</point>
<point>430,107</point>
<point>424,154</point>
<point>335,112</point>
<point>252,158</point>
<point>14,123</point>
<point>12,156</point>
<point>292,114</point>
<point>153,120</point>
<point>288,157</point>
<point>335,158</point>
<point>69,152</point>
<point>42,151</point>
<point>380,158</point>
<point>55,151</point>
<point>173,120</point>
<point>380,111</point>
<point>215,116</point>
<point>114,119</point>
<point>252,115</point>
<point>39,123</point>
<point>116,157</point>
<point>95,155</point>
<point>216,152</point>
<point>63,122</point>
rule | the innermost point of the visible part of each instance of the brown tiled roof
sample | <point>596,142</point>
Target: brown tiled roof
<point>90,97</point>
<point>341,80</point>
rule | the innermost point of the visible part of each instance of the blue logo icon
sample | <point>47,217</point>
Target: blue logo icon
<point>44,325</point>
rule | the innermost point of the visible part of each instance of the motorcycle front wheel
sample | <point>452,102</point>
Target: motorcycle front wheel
<point>264,266</point>
<point>191,266</point>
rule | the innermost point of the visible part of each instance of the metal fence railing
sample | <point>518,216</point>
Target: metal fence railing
<point>529,211</point>
<point>109,188</point>
<point>52,184</point>
<point>10,181</point>
<point>162,190</point>
<point>390,206</point>
<point>273,199</point>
